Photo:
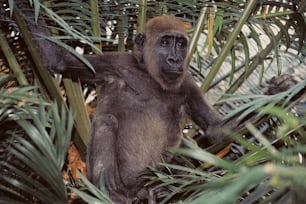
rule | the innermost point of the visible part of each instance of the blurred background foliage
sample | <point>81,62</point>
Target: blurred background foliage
<point>237,47</point>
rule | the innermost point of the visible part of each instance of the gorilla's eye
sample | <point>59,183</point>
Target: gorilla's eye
<point>181,43</point>
<point>165,42</point>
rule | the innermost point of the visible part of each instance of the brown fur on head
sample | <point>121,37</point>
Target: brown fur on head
<point>144,47</point>
<point>161,24</point>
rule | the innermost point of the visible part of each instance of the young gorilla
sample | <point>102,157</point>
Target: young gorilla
<point>139,110</point>
<point>140,106</point>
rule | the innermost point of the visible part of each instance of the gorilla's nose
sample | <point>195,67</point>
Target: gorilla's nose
<point>174,62</point>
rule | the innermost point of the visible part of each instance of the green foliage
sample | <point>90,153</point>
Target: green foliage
<point>36,147</point>
<point>37,141</point>
<point>96,195</point>
<point>271,169</point>
<point>269,166</point>
<point>283,99</point>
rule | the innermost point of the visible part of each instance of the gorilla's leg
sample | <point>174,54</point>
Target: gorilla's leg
<point>100,152</point>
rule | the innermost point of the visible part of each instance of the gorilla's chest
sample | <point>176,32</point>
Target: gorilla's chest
<point>138,93</point>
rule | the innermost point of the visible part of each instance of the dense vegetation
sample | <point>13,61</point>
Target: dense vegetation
<point>236,47</point>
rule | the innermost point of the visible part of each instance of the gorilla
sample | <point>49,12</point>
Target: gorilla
<point>143,98</point>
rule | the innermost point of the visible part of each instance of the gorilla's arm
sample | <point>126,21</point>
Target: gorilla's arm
<point>201,112</point>
<point>60,60</point>
<point>104,65</point>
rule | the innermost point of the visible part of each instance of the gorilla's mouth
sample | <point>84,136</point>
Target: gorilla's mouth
<point>172,75</point>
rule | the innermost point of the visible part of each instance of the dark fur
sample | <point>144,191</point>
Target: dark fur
<point>143,99</point>
<point>139,110</point>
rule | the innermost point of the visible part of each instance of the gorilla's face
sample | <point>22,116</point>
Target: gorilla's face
<point>166,59</point>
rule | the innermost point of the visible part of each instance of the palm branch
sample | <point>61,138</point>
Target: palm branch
<point>249,60</point>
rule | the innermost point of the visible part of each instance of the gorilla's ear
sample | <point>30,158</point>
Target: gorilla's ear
<point>140,40</point>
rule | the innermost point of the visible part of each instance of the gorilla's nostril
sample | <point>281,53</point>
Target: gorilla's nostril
<point>172,61</point>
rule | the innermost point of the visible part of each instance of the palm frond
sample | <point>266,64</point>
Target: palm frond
<point>265,173</point>
<point>253,102</point>
<point>39,146</point>
<point>97,195</point>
